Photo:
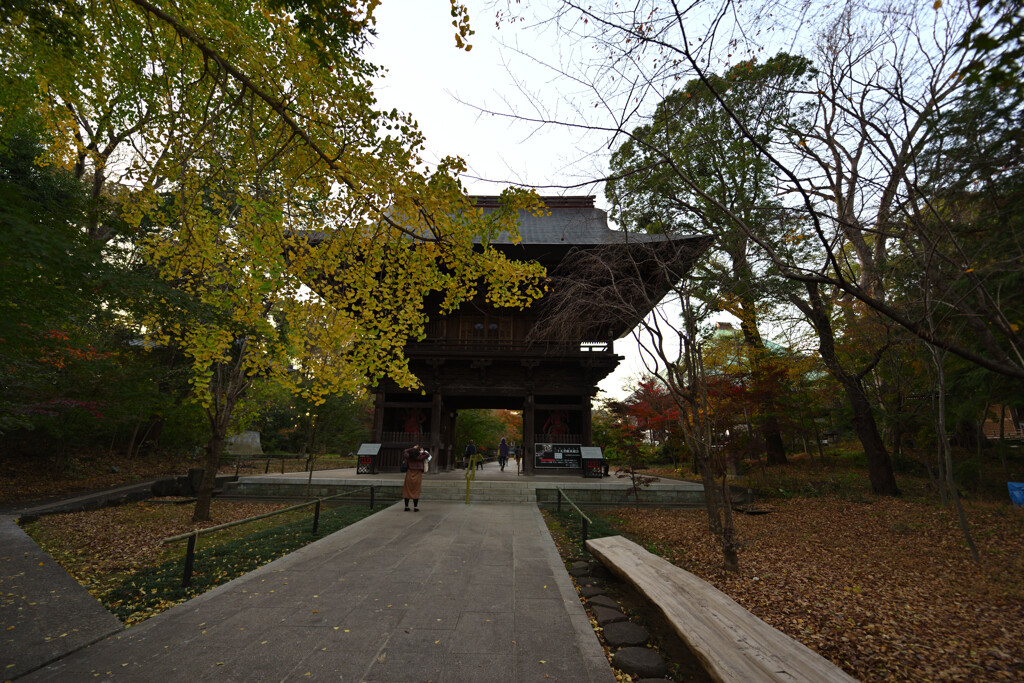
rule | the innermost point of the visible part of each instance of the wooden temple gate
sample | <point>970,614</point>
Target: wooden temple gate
<point>485,357</point>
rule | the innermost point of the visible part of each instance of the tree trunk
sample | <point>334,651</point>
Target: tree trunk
<point>134,436</point>
<point>214,448</point>
<point>711,502</point>
<point>228,385</point>
<point>730,552</point>
<point>220,418</point>
<point>883,481</point>
<point>773,444</point>
<point>1001,447</point>
<point>946,451</point>
<point>775,448</point>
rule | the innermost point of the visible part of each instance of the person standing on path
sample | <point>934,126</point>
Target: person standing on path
<point>503,453</point>
<point>414,459</point>
<point>470,452</point>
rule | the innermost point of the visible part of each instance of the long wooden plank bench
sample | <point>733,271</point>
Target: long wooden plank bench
<point>732,643</point>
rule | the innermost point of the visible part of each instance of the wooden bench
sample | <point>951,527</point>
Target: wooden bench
<point>732,643</point>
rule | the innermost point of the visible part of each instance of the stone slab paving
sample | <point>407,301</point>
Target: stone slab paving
<point>452,593</point>
<point>44,613</point>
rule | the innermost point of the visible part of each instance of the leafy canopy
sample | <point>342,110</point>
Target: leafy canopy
<point>296,222</point>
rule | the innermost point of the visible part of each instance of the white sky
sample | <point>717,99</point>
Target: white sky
<point>428,76</point>
<point>437,83</point>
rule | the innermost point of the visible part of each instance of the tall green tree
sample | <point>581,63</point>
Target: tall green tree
<point>691,170</point>
<point>295,223</point>
<point>48,274</point>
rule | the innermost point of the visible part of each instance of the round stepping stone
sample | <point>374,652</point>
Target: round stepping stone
<point>625,634</point>
<point>579,572</point>
<point>606,615</point>
<point>603,601</point>
<point>589,581</point>
<point>640,661</point>
<point>590,591</point>
<point>580,564</point>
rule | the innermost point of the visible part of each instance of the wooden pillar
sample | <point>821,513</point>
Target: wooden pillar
<point>529,446</point>
<point>435,426</point>
<point>378,418</point>
<point>586,425</point>
<point>449,449</point>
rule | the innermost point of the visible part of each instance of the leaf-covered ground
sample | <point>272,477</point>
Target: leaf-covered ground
<point>887,589</point>
<point>24,479</point>
<point>100,547</point>
<point>116,552</point>
<point>27,479</point>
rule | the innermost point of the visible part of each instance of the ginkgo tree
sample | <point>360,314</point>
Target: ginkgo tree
<point>242,152</point>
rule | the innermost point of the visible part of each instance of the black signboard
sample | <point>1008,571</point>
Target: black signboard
<point>559,455</point>
<point>593,468</point>
<point>593,462</point>
<point>366,458</point>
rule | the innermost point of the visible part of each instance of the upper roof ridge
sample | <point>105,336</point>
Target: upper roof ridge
<point>562,202</point>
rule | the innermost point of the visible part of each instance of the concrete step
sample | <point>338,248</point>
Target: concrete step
<point>535,491</point>
<point>479,498</point>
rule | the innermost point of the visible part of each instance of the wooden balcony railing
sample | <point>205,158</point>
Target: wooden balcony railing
<point>563,438</point>
<point>422,438</point>
<point>505,345</point>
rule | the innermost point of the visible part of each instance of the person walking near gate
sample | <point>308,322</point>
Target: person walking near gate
<point>470,452</point>
<point>503,453</point>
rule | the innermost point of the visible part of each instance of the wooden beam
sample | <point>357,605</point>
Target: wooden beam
<point>528,443</point>
<point>586,423</point>
<point>435,428</point>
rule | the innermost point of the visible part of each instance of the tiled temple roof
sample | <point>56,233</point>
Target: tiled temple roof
<point>573,220</point>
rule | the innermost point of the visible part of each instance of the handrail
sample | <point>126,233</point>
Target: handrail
<point>584,520</point>
<point>211,529</point>
<point>573,504</point>
<point>192,536</point>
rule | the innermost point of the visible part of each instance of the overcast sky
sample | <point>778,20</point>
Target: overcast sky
<point>438,83</point>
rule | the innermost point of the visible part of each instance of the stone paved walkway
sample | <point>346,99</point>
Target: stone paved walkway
<point>452,593</point>
<point>44,613</point>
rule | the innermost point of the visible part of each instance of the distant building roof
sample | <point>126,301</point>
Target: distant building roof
<point>725,329</point>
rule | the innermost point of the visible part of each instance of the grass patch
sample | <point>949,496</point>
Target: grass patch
<point>570,531</point>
